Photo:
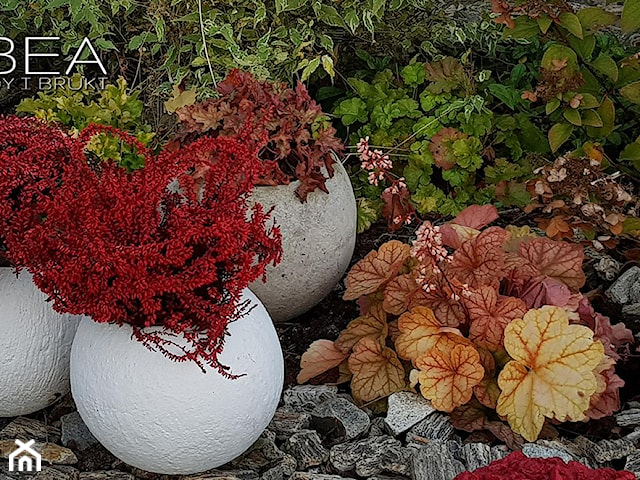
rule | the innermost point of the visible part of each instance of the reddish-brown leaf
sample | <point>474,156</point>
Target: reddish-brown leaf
<point>607,401</point>
<point>476,216</point>
<point>489,314</point>
<point>321,356</point>
<point>469,417</point>
<point>377,268</point>
<point>401,294</point>
<point>559,260</point>
<point>480,261</point>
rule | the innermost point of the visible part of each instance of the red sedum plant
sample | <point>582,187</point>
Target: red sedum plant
<point>293,139</point>
<point>488,321</point>
<point>122,247</point>
<point>517,466</point>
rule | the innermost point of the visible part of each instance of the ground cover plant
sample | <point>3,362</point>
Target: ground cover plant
<point>488,321</point>
<point>120,247</point>
<point>289,134</point>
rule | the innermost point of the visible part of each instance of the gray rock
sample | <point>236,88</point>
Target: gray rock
<point>340,419</point>
<point>608,450</point>
<point>371,456</point>
<point>283,469</point>
<point>305,398</point>
<point>436,426</point>
<point>75,433</point>
<point>632,309</point>
<point>306,447</point>
<point>633,436</point>
<point>25,429</point>
<point>476,455</point>
<point>533,450</point>
<point>570,448</point>
<point>317,476</point>
<point>377,427</point>
<point>285,424</point>
<point>50,452</point>
<point>106,475</point>
<point>633,463</point>
<point>221,475</point>
<point>625,289</point>
<point>383,477</point>
<point>261,455</point>
<point>48,473</point>
<point>498,452</point>
<point>434,461</point>
<point>607,267</point>
<point>405,410</point>
<point>628,418</point>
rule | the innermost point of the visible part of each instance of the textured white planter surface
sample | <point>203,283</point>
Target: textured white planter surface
<point>171,418</point>
<point>318,238</point>
<point>35,343</point>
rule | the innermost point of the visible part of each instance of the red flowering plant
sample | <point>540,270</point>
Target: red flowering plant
<point>291,136</point>
<point>123,247</point>
<point>487,323</point>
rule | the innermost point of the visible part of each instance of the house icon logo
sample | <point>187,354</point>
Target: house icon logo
<point>24,456</point>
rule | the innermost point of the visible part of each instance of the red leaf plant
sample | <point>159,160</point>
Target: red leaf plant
<point>517,466</point>
<point>123,247</point>
<point>289,133</point>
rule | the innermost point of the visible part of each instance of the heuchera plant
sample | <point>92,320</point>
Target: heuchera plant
<point>517,466</point>
<point>122,247</point>
<point>488,321</point>
<point>292,137</point>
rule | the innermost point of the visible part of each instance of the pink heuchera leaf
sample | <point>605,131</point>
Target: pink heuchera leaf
<point>607,400</point>
<point>559,260</point>
<point>542,291</point>
<point>613,337</point>
<point>444,303</point>
<point>476,216</point>
<point>489,314</point>
<point>321,356</point>
<point>480,261</point>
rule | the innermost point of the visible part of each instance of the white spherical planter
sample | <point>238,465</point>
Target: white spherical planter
<point>318,238</point>
<point>171,418</point>
<point>35,343</point>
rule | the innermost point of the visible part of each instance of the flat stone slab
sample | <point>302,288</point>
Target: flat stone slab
<point>341,419</point>
<point>25,429</point>
<point>371,456</point>
<point>405,410</point>
<point>476,455</point>
<point>436,426</point>
<point>285,424</point>
<point>434,461</point>
<point>608,450</point>
<point>305,398</point>
<point>306,447</point>
<point>534,450</point>
<point>51,453</point>
<point>210,475</point>
<point>75,433</point>
<point>628,418</point>
<point>626,289</point>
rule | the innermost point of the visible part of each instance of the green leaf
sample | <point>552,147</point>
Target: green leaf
<point>631,92</point>
<point>414,74</point>
<point>607,112</point>
<point>327,64</point>
<point>571,22</point>
<point>552,106</point>
<point>368,213</point>
<point>591,118</point>
<point>525,28</point>
<point>559,134</point>
<point>589,101</point>
<point>593,18</point>
<point>544,22</point>
<point>309,69</point>
<point>508,95</point>
<point>607,66</point>
<point>351,111</point>
<point>583,47</point>
<point>631,152</point>
<point>104,44</point>
<point>326,42</point>
<point>573,117</point>
<point>352,20</point>
<point>631,225</point>
<point>631,16</point>
<point>330,16</point>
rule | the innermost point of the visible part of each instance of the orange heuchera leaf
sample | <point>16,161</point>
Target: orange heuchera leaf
<point>321,356</point>
<point>480,261</point>
<point>377,372</point>
<point>559,260</point>
<point>374,270</point>
<point>401,294</point>
<point>419,331</point>
<point>552,371</point>
<point>447,376</point>
<point>515,236</point>
<point>372,325</point>
<point>490,314</point>
<point>487,391</point>
<point>444,303</point>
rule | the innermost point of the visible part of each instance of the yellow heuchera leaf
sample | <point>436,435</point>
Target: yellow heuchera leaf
<point>374,270</point>
<point>448,374</point>
<point>372,325</point>
<point>377,372</point>
<point>552,371</point>
<point>419,332</point>
<point>321,356</point>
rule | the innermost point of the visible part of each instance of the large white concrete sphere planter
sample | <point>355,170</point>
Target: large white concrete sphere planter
<point>35,343</point>
<point>318,238</point>
<point>171,418</point>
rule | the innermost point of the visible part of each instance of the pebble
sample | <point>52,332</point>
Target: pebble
<point>534,450</point>
<point>371,456</point>
<point>305,398</point>
<point>48,473</point>
<point>317,476</point>
<point>628,418</point>
<point>306,447</point>
<point>434,461</point>
<point>626,289</point>
<point>608,450</point>
<point>435,427</point>
<point>633,463</point>
<point>106,475</point>
<point>283,469</point>
<point>51,453</point>
<point>75,433</point>
<point>341,419</point>
<point>405,410</point>
<point>476,455</point>
<point>25,429</point>
<point>285,424</point>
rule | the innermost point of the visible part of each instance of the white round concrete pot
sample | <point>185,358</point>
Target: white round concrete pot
<point>172,418</point>
<point>35,343</point>
<point>318,238</point>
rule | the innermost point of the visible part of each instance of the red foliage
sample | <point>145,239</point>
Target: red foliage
<point>517,466</point>
<point>122,247</point>
<point>299,138</point>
